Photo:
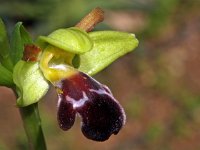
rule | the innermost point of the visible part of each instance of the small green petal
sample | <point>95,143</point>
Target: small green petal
<point>72,40</point>
<point>31,85</point>
<point>108,46</point>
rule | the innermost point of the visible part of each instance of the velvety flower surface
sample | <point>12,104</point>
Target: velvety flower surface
<point>101,114</point>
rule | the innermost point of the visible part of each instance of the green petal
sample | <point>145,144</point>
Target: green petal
<point>108,46</point>
<point>72,40</point>
<point>5,77</point>
<point>31,85</point>
<point>4,48</point>
<point>19,38</point>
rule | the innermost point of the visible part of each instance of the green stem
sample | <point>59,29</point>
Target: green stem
<point>32,124</point>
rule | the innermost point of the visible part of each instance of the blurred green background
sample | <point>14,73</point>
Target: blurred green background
<point>158,84</point>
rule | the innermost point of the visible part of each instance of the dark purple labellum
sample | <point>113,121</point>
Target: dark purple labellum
<point>101,114</point>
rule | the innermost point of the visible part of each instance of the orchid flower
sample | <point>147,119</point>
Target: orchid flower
<point>66,59</point>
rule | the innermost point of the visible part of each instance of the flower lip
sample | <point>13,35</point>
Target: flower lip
<point>78,103</point>
<point>66,115</point>
<point>101,114</point>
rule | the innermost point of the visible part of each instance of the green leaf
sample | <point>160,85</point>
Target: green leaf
<point>19,38</point>
<point>5,77</point>
<point>72,40</point>
<point>4,47</point>
<point>108,46</point>
<point>31,85</point>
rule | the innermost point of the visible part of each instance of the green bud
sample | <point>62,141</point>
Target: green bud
<point>19,38</point>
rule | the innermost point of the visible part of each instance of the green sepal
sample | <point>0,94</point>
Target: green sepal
<point>108,46</point>
<point>19,38</point>
<point>72,40</point>
<point>5,77</point>
<point>31,85</point>
<point>4,48</point>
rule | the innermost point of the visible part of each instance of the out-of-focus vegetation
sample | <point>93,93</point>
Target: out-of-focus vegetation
<point>158,84</point>
<point>46,15</point>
